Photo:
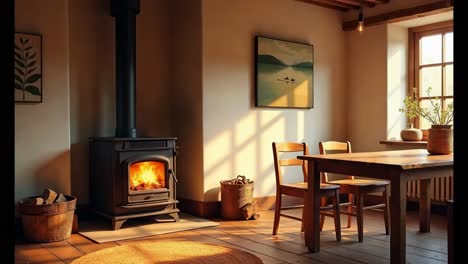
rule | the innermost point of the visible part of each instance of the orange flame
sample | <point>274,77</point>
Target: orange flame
<point>146,175</point>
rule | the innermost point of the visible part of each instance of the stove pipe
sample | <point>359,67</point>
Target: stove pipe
<point>125,12</point>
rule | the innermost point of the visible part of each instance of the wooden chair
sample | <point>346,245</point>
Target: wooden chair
<point>357,188</point>
<point>298,189</point>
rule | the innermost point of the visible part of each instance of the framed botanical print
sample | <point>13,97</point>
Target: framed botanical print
<point>28,68</point>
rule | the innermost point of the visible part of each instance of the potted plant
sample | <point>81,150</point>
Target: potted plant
<point>440,138</point>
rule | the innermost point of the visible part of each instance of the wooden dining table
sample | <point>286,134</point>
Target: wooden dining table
<point>397,166</point>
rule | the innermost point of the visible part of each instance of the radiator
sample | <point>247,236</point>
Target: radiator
<point>441,190</point>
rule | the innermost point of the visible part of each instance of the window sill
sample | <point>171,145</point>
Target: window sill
<point>404,143</point>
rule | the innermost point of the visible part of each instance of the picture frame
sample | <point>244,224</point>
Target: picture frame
<point>283,73</point>
<point>28,68</point>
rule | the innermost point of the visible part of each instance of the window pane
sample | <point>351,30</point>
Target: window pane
<point>431,49</point>
<point>449,80</point>
<point>447,102</point>
<point>431,77</point>
<point>448,56</point>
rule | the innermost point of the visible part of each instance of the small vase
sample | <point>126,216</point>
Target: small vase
<point>411,134</point>
<point>440,140</point>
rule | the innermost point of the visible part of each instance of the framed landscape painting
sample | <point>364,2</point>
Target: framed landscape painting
<point>284,73</point>
<point>28,68</point>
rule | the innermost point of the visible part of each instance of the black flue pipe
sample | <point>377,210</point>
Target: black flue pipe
<point>125,12</point>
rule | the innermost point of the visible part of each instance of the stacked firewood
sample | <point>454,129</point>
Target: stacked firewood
<point>241,179</point>
<point>48,197</point>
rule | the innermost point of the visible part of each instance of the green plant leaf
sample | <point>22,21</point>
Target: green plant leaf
<point>31,63</point>
<point>33,78</point>
<point>20,71</point>
<point>18,78</point>
<point>20,63</point>
<point>33,90</point>
<point>31,70</point>
<point>18,86</point>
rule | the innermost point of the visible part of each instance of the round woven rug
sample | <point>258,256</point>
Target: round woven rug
<point>168,252</point>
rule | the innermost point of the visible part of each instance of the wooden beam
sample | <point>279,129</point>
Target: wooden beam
<point>378,1</point>
<point>357,3</point>
<point>402,14</point>
<point>328,4</point>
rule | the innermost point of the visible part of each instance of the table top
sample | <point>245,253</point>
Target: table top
<point>406,159</point>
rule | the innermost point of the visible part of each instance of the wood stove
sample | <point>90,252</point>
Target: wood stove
<point>133,177</point>
<point>130,176</point>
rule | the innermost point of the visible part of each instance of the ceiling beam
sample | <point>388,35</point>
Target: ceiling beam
<point>329,4</point>
<point>378,1</point>
<point>402,14</point>
<point>357,3</point>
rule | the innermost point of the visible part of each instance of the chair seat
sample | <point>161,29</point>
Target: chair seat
<point>303,185</point>
<point>360,182</point>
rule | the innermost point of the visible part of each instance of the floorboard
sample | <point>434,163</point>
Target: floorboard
<point>255,236</point>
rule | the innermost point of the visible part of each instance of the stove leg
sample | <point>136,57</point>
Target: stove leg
<point>117,224</point>
<point>175,216</point>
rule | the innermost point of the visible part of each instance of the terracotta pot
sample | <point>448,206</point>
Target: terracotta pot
<point>411,134</point>
<point>440,139</point>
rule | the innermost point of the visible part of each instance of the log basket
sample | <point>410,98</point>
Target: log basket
<point>47,222</point>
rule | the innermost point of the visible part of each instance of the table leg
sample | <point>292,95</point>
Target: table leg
<point>312,209</point>
<point>398,220</point>
<point>425,206</point>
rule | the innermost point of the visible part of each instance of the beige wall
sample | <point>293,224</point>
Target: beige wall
<point>397,79</point>
<point>187,97</point>
<point>92,77</point>
<point>237,136</point>
<point>42,131</point>
<point>367,83</point>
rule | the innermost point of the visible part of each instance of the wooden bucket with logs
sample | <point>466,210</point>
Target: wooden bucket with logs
<point>47,219</point>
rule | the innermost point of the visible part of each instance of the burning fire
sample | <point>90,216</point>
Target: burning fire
<point>146,175</point>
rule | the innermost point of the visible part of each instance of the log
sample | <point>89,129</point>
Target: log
<point>255,216</point>
<point>34,200</point>
<point>60,198</point>
<point>49,196</point>
<point>249,210</point>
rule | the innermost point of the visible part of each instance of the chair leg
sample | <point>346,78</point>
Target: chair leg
<point>337,215</point>
<point>302,223</point>
<point>387,210</point>
<point>350,208</point>
<point>277,213</point>
<point>323,202</point>
<point>360,214</point>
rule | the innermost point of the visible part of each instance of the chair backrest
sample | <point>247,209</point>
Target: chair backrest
<point>291,147</point>
<point>333,147</point>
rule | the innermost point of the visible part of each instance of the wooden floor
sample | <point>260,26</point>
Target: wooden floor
<point>287,247</point>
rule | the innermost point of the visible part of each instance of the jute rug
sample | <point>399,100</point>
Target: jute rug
<point>169,253</point>
<point>101,230</point>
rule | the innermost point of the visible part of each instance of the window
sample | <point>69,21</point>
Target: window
<point>431,64</point>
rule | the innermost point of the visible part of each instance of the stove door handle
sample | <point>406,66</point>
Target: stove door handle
<point>173,175</point>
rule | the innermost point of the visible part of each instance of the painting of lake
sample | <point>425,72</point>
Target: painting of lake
<point>284,73</point>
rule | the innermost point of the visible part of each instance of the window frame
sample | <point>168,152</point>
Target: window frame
<point>414,66</point>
